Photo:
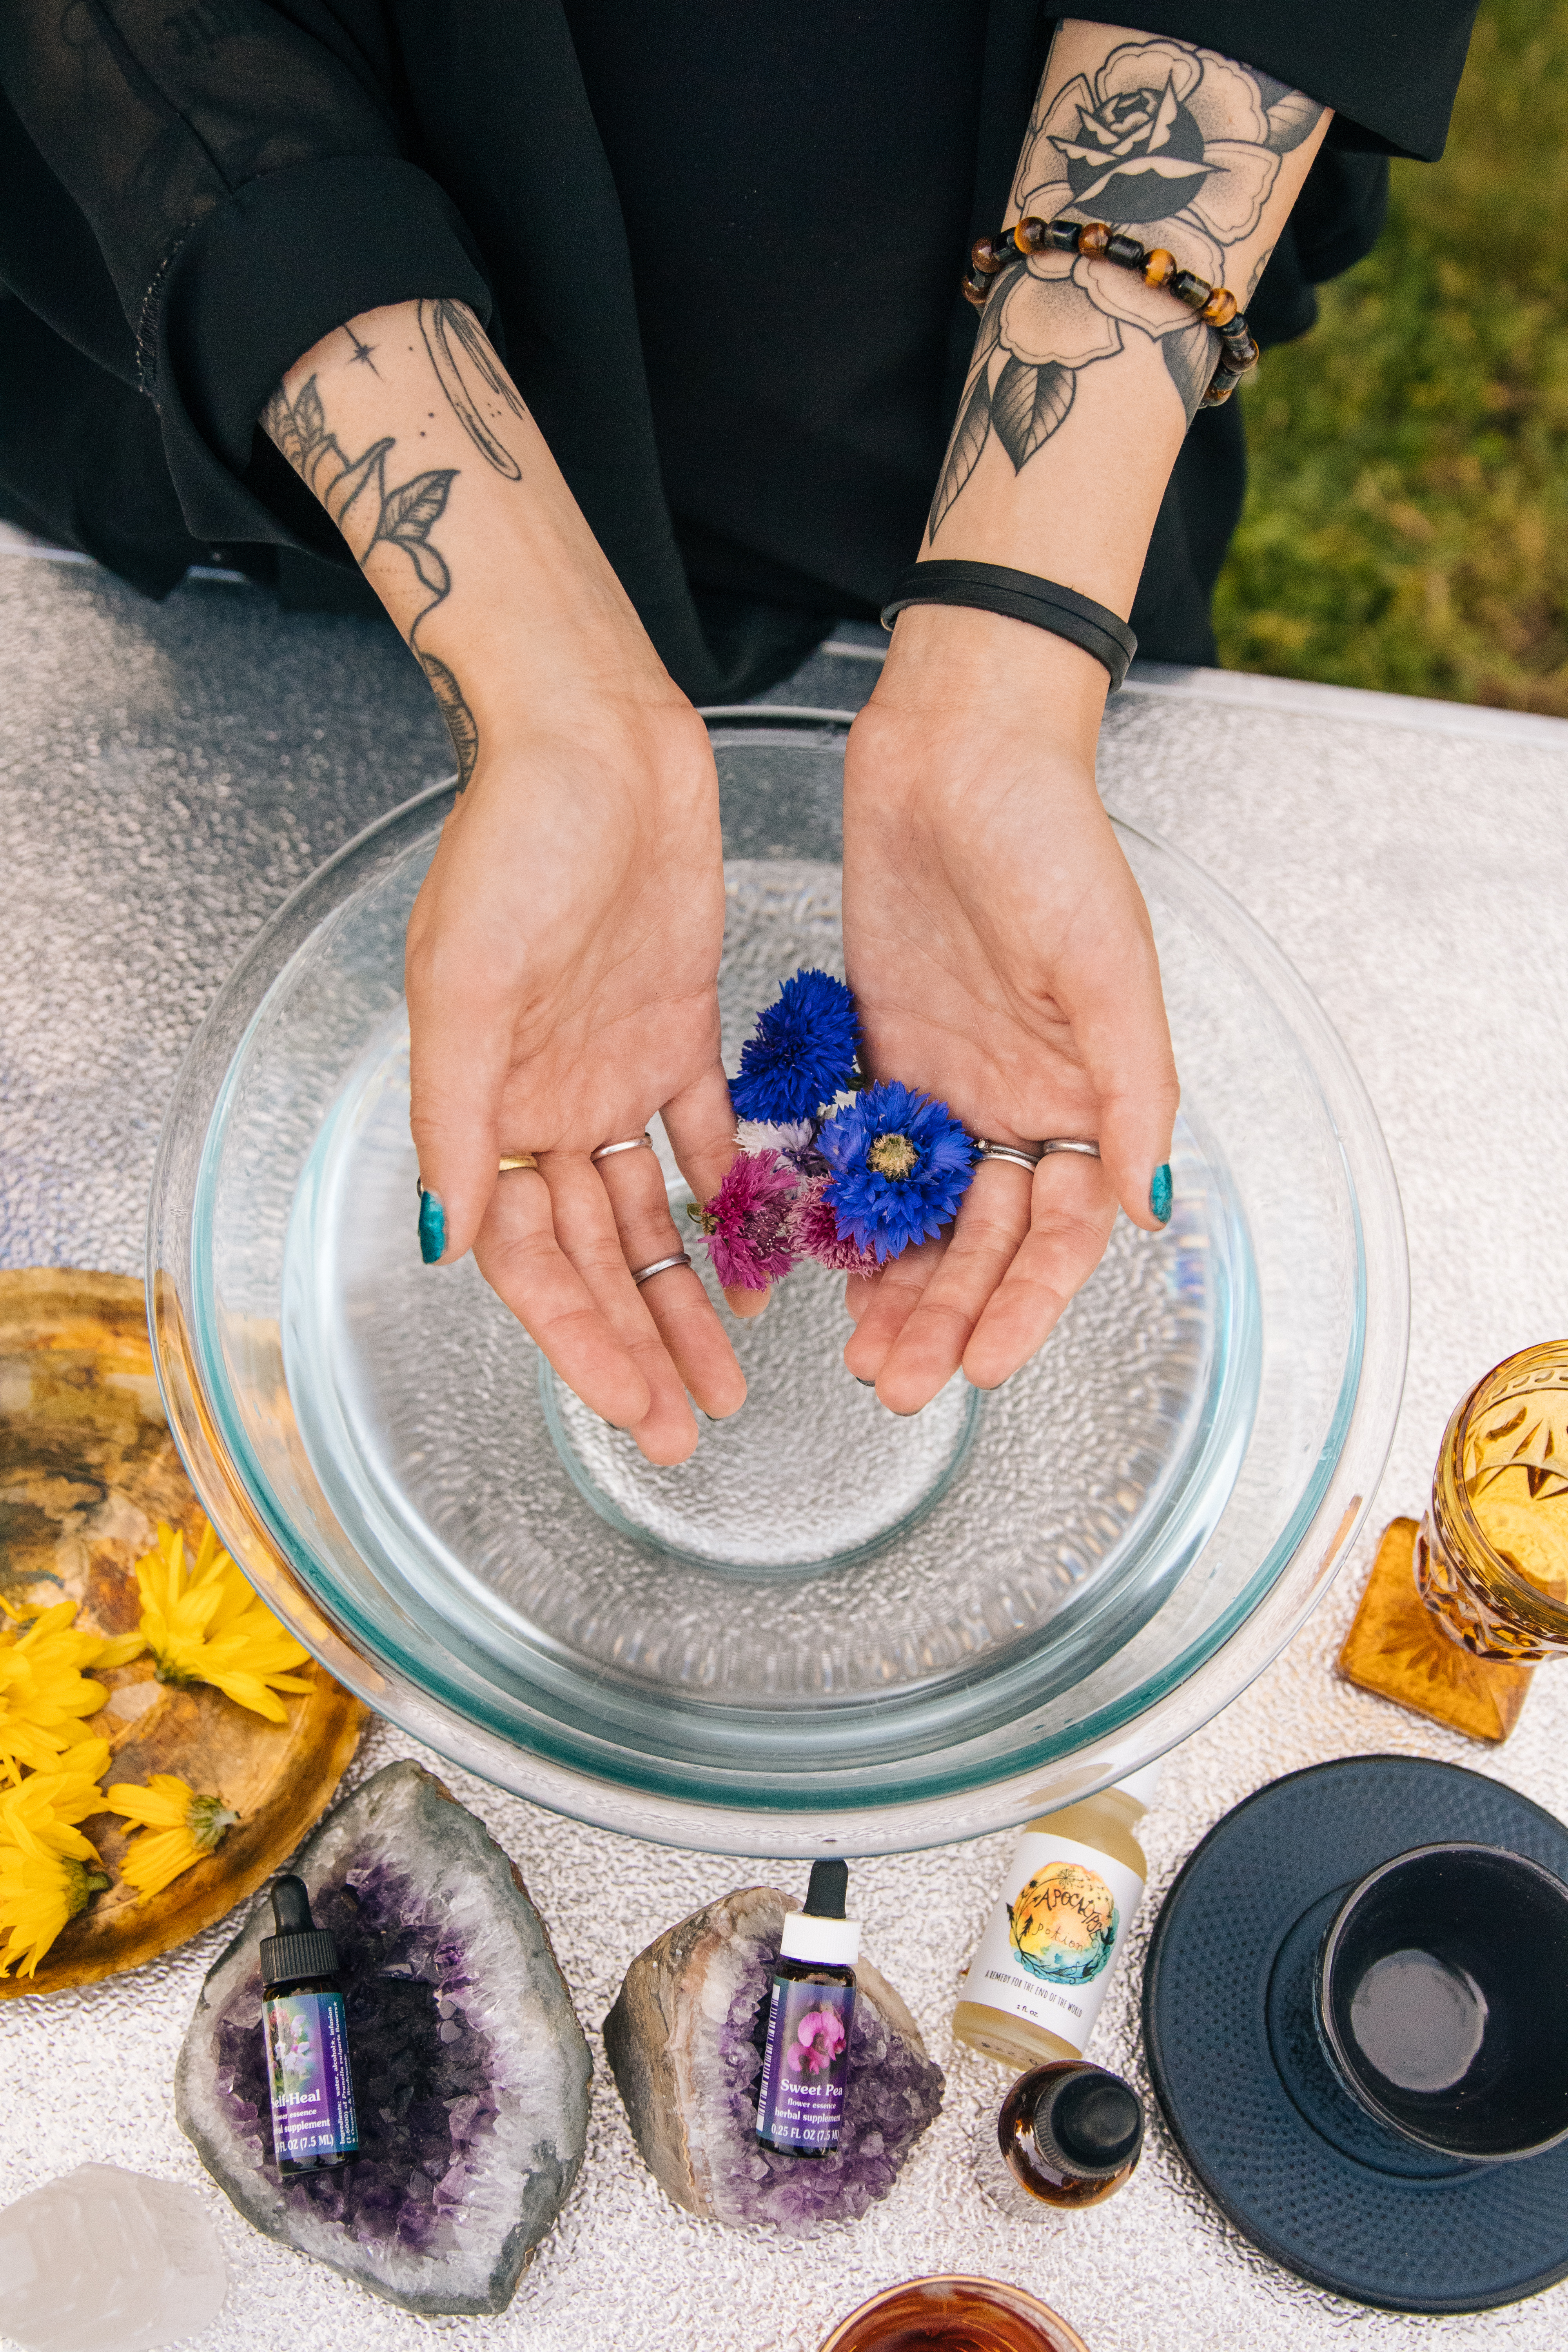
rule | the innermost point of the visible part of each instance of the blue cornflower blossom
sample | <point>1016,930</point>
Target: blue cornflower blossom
<point>801,1053</point>
<point>900,1164</point>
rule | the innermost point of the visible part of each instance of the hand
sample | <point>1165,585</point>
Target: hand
<point>1001,958</point>
<point>562,968</point>
<point>563,952</point>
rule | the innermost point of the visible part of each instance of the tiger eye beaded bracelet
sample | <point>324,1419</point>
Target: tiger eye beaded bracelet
<point>1213,306</point>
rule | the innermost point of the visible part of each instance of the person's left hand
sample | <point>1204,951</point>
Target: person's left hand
<point>1002,960</point>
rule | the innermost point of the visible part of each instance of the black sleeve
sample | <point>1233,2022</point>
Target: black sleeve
<point>1388,68</point>
<point>241,168</point>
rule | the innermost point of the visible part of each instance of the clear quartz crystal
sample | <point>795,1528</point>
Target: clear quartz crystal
<point>106,2261</point>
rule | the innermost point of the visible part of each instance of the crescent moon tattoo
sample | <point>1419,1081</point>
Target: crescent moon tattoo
<point>442,323</point>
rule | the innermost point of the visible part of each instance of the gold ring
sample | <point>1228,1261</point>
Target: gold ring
<point>518,1159</point>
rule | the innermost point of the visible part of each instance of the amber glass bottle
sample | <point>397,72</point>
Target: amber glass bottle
<point>1069,2135</point>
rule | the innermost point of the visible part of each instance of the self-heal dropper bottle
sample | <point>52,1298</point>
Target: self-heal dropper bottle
<point>314,2126</point>
<point>810,2015</point>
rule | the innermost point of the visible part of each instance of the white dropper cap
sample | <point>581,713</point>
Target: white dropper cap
<point>821,1934</point>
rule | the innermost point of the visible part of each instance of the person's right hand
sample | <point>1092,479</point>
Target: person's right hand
<point>562,968</point>
<point>563,959</point>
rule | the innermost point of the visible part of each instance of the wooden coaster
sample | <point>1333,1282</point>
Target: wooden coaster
<point>1396,1648</point>
<point>86,1470</point>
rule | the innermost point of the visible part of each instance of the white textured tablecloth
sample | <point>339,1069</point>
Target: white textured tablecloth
<point>166,775</point>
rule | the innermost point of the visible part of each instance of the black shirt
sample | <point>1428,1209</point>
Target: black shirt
<point>797,182</point>
<point>719,247</point>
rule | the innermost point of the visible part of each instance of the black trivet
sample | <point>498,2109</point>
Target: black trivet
<point>1284,2152</point>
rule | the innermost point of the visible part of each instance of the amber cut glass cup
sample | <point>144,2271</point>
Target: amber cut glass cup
<point>1491,1555</point>
<point>964,2314</point>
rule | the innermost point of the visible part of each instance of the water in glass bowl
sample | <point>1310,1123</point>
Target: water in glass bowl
<point>832,1625</point>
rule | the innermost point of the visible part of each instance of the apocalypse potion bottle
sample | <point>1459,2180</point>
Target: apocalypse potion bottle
<point>1069,2133</point>
<point>1035,1986</point>
<point>810,2013</point>
<point>313,2124</point>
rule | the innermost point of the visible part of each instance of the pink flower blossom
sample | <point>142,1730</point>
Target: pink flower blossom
<point>814,1232</point>
<point>747,1222</point>
<point>818,2038</point>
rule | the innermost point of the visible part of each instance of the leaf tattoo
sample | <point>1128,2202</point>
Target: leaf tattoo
<point>353,491</point>
<point>1190,364</point>
<point>342,493</point>
<point>407,517</point>
<point>974,427</point>
<point>969,437</point>
<point>1028,403</point>
<point>1292,116</point>
<point>460,718</point>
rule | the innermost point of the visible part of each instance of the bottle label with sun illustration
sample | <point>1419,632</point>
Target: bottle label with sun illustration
<point>1054,1935</point>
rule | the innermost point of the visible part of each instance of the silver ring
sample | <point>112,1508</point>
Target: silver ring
<point>636,1143</point>
<point>1069,1143</point>
<point>1019,1154</point>
<point>641,1274</point>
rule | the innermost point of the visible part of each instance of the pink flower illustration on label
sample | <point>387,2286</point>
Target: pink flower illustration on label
<point>818,2038</point>
<point>806,2066</point>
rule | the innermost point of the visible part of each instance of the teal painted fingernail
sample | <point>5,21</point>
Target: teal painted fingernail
<point>432,1227</point>
<point>864,1384</point>
<point>1160,1195</point>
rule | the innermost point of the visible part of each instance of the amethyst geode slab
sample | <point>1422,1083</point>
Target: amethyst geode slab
<point>680,2044</point>
<point>470,2071</point>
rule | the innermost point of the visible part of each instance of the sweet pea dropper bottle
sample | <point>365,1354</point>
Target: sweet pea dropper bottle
<point>810,2014</point>
<point>314,2126</point>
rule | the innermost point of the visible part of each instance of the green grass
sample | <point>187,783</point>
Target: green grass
<point>1406,521</point>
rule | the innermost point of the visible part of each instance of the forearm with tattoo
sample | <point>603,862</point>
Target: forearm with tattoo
<point>1176,145</point>
<point>375,513</point>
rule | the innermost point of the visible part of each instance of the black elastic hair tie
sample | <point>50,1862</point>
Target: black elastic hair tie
<point>1019,596</point>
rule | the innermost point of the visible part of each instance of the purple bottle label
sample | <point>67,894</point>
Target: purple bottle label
<point>805,2065</point>
<point>308,2073</point>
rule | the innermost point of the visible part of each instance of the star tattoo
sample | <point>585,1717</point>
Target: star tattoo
<point>362,351</point>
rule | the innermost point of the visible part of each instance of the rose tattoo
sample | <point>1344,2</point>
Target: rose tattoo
<point>1175,144</point>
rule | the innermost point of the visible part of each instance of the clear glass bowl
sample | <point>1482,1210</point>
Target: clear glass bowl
<point>832,1630</point>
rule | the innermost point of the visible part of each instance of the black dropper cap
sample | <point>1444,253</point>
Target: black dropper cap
<point>299,1949</point>
<point>827,1890</point>
<point>1089,2123</point>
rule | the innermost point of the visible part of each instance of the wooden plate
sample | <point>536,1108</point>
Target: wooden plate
<point>86,1470</point>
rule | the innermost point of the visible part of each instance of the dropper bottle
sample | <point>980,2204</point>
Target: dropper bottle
<point>1069,2135</point>
<point>810,2015</point>
<point>1040,1972</point>
<point>313,2123</point>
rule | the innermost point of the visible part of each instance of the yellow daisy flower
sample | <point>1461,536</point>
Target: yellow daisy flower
<point>48,1869</point>
<point>181,1828</point>
<point>40,1893</point>
<point>205,1625</point>
<point>40,1816</point>
<point>44,1694</point>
